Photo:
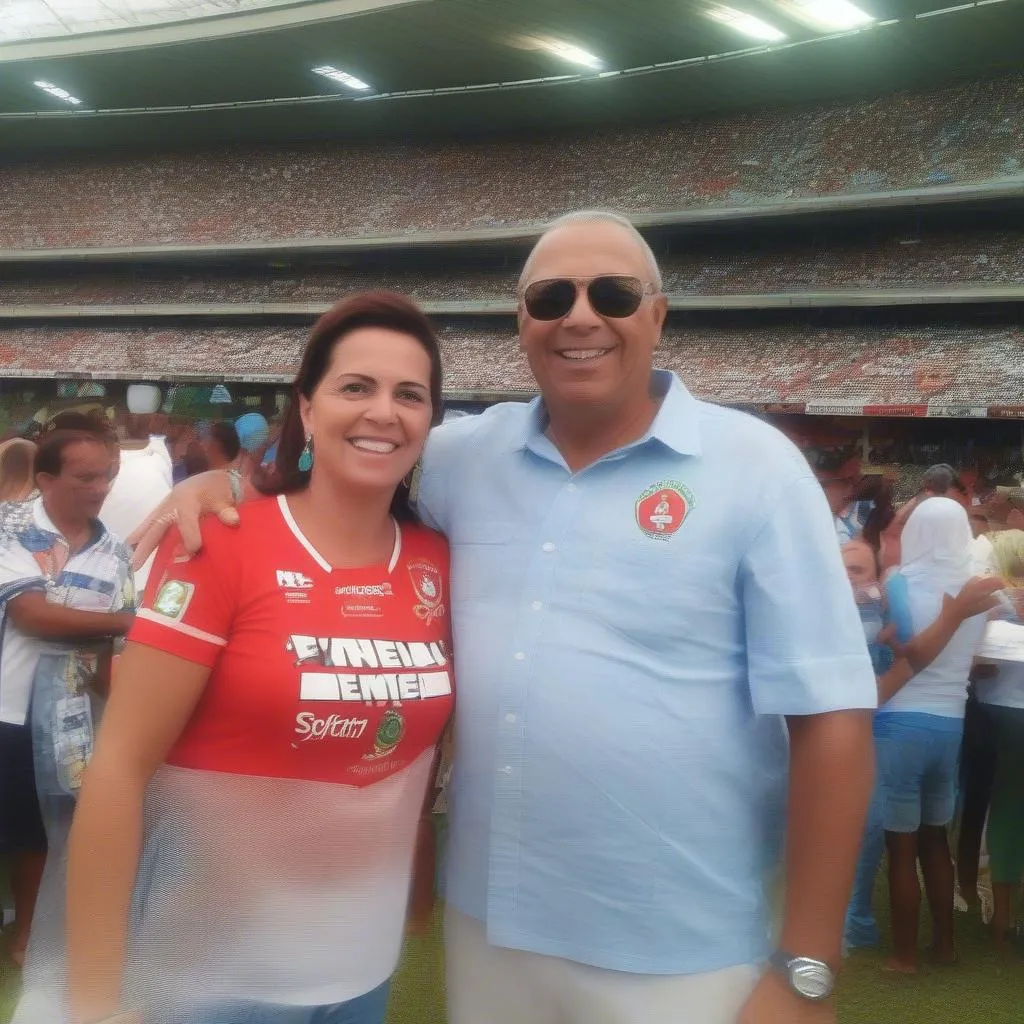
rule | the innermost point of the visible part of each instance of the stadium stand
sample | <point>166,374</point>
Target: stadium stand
<point>925,259</point>
<point>967,133</point>
<point>760,364</point>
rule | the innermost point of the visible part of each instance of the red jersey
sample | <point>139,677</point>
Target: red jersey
<point>280,832</point>
<point>321,674</point>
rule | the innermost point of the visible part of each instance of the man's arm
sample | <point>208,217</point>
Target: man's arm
<point>807,662</point>
<point>831,775</point>
<point>35,616</point>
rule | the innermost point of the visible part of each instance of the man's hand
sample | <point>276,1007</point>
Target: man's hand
<point>773,1002</point>
<point>201,495</point>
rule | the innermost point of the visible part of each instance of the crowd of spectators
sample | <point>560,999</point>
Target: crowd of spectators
<point>788,363</point>
<point>925,260</point>
<point>969,132</point>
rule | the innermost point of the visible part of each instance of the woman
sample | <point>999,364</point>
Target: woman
<point>918,730</point>
<point>282,697</point>
<point>1000,692</point>
<point>17,480</point>
<point>894,668</point>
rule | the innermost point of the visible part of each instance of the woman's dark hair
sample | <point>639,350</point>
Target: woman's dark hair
<point>387,310</point>
<point>52,444</point>
<point>878,490</point>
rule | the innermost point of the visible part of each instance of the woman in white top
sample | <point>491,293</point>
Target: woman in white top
<point>1001,693</point>
<point>919,730</point>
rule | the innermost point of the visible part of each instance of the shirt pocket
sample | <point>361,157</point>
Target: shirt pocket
<point>482,560</point>
<point>656,594</point>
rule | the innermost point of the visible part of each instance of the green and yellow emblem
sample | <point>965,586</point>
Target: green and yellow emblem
<point>172,600</point>
<point>389,735</point>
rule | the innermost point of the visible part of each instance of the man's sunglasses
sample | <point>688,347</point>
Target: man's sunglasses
<point>611,295</point>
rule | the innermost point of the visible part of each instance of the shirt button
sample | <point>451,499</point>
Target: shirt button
<point>510,718</point>
<point>571,487</point>
<point>519,656</point>
<point>547,546</point>
<point>537,605</point>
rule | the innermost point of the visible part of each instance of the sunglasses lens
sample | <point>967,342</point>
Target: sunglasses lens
<point>549,300</point>
<point>615,296</point>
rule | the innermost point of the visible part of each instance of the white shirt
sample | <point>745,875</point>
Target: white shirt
<point>1006,689</point>
<point>982,556</point>
<point>144,480</point>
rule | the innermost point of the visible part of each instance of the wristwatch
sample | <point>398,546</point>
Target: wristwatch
<point>809,979</point>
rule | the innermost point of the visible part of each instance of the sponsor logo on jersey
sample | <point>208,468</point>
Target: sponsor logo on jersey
<point>367,590</point>
<point>351,610</point>
<point>293,580</point>
<point>173,598</point>
<point>336,727</point>
<point>663,508</point>
<point>372,671</point>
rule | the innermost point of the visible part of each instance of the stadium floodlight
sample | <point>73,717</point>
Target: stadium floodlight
<point>832,15</point>
<point>573,54</point>
<point>56,90</point>
<point>341,76</point>
<point>745,23</point>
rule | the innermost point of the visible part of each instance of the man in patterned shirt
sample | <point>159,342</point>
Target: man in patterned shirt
<point>65,590</point>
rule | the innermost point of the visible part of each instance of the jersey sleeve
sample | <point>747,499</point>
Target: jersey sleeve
<point>190,601</point>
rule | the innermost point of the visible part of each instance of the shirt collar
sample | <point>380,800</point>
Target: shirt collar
<point>676,424</point>
<point>44,522</point>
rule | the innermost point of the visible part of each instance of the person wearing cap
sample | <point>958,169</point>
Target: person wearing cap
<point>253,432</point>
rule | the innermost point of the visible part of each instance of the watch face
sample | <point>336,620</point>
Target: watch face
<point>811,979</point>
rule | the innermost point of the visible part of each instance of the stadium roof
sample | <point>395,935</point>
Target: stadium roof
<point>164,72</point>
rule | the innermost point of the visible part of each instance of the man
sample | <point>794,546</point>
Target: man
<point>221,445</point>
<point>839,473</point>
<point>628,676</point>
<point>64,584</point>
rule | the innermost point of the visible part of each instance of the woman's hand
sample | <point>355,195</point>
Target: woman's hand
<point>204,494</point>
<point>976,597</point>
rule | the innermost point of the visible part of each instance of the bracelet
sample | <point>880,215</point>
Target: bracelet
<point>235,480</point>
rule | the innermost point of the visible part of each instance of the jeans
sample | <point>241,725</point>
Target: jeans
<point>365,1009</point>
<point>860,928</point>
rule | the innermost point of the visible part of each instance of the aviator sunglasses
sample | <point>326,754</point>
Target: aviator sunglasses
<point>610,295</point>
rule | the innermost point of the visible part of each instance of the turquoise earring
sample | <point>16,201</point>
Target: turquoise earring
<point>306,458</point>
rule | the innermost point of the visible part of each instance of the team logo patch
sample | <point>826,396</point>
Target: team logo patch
<point>389,735</point>
<point>428,587</point>
<point>173,598</point>
<point>662,508</point>
<point>293,580</point>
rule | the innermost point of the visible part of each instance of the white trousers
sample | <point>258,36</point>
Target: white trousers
<point>491,985</point>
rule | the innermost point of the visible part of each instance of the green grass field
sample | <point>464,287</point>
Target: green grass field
<point>987,987</point>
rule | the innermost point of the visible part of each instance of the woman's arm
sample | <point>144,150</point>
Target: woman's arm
<point>975,598</point>
<point>148,709</point>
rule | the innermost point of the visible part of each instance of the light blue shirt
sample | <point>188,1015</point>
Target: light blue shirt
<point>626,640</point>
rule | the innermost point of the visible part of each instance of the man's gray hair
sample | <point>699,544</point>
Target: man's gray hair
<point>598,217</point>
